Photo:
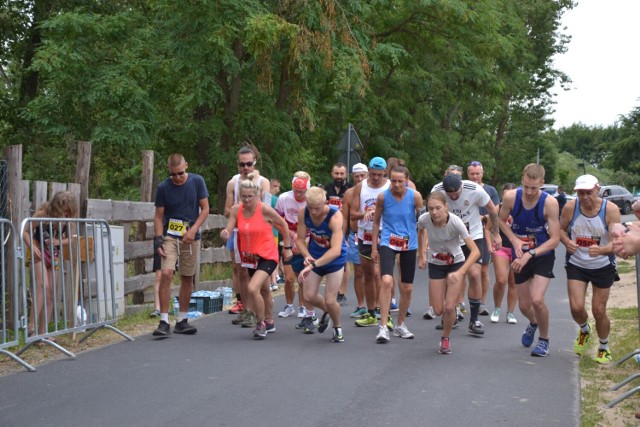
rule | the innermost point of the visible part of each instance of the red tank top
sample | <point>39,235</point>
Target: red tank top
<point>255,238</point>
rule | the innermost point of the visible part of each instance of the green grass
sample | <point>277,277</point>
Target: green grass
<point>625,266</point>
<point>597,379</point>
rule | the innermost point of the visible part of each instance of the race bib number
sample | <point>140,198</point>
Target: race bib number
<point>443,257</point>
<point>367,237</point>
<point>177,227</point>
<point>248,260</point>
<point>528,242</point>
<point>586,241</point>
<point>335,201</point>
<point>398,243</point>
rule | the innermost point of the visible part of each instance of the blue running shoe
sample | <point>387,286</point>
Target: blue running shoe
<point>541,350</point>
<point>393,307</point>
<point>527,336</point>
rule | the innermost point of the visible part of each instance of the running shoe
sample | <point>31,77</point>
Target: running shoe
<point>393,307</point>
<point>274,286</point>
<point>249,321</point>
<point>445,348</point>
<point>155,313</point>
<point>581,342</point>
<point>409,313</point>
<point>367,320</point>
<point>511,318</point>
<point>377,312</point>
<point>495,315</point>
<point>430,314</point>
<point>440,326</point>
<point>483,310</point>
<point>358,312</point>
<point>342,299</point>
<point>260,332</point>
<point>237,308</point>
<point>324,322</point>
<point>603,356</point>
<point>303,322</point>
<point>240,318</point>
<point>402,331</point>
<point>183,327</point>
<point>383,335</point>
<point>462,307</point>
<point>302,312</point>
<point>390,324</point>
<point>271,326</point>
<point>288,311</point>
<point>476,328</point>
<point>459,314</point>
<point>163,330</point>
<point>528,334</point>
<point>541,350</point>
<point>337,335</point>
<point>310,325</point>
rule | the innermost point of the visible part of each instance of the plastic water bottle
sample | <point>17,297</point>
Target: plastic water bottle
<point>637,357</point>
<point>176,306</point>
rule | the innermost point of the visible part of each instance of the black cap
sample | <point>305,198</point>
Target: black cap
<point>452,183</point>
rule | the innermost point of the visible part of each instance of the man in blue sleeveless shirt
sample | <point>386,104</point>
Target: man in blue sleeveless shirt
<point>534,235</point>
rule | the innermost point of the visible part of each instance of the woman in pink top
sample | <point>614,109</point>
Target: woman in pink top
<point>257,250</point>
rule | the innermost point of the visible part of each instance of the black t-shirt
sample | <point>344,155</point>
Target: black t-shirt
<point>335,198</point>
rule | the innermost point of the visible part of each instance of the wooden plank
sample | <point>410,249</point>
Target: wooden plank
<point>138,283</point>
<point>57,187</point>
<point>40,194</point>
<point>213,255</point>
<point>83,168</point>
<point>113,210</point>
<point>144,249</point>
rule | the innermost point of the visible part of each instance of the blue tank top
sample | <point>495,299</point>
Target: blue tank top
<point>399,218</point>
<point>320,237</point>
<point>529,225</point>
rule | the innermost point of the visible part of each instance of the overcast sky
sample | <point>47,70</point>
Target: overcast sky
<point>602,61</point>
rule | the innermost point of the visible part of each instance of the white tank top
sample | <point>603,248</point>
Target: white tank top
<point>587,231</point>
<point>266,196</point>
<point>368,199</point>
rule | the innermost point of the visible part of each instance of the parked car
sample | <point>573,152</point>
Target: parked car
<point>550,188</point>
<point>618,195</point>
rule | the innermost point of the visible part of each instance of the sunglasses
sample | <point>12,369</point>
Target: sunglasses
<point>455,168</point>
<point>475,163</point>
<point>172,174</point>
<point>246,164</point>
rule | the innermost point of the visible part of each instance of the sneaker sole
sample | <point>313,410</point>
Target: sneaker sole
<point>259,337</point>
<point>539,355</point>
<point>187,332</point>
<point>161,334</point>
<point>309,331</point>
<point>382,340</point>
<point>444,352</point>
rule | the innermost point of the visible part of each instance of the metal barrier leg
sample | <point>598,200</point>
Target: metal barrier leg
<point>19,360</point>
<point>619,399</point>
<point>626,381</point>
<point>627,357</point>
<point>49,342</point>
<point>114,329</point>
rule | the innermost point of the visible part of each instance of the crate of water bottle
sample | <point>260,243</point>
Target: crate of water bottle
<point>206,301</point>
<point>227,294</point>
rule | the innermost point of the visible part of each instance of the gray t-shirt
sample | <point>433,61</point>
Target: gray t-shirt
<point>493,195</point>
<point>444,242</point>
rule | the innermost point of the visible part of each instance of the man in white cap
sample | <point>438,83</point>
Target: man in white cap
<point>591,258</point>
<point>363,207</point>
<point>465,198</point>
<point>359,173</point>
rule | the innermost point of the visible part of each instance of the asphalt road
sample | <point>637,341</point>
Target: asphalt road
<point>222,377</point>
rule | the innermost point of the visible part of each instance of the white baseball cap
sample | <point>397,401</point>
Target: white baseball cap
<point>586,182</point>
<point>359,167</point>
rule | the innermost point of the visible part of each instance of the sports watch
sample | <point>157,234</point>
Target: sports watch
<point>532,252</point>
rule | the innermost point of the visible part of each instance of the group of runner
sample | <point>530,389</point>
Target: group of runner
<point>379,220</point>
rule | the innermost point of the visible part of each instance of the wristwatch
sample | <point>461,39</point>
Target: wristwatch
<point>532,252</point>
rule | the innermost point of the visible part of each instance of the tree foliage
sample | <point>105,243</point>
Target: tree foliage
<point>431,81</point>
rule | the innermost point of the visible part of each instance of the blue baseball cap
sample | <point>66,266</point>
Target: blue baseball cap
<point>378,163</point>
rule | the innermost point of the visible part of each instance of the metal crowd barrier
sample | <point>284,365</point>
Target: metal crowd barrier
<point>628,356</point>
<point>75,263</point>
<point>10,317</point>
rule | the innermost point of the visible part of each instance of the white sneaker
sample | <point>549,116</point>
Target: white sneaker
<point>302,312</point>
<point>402,332</point>
<point>511,319</point>
<point>288,311</point>
<point>483,310</point>
<point>430,314</point>
<point>383,334</point>
<point>495,315</point>
<point>459,314</point>
<point>274,286</point>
